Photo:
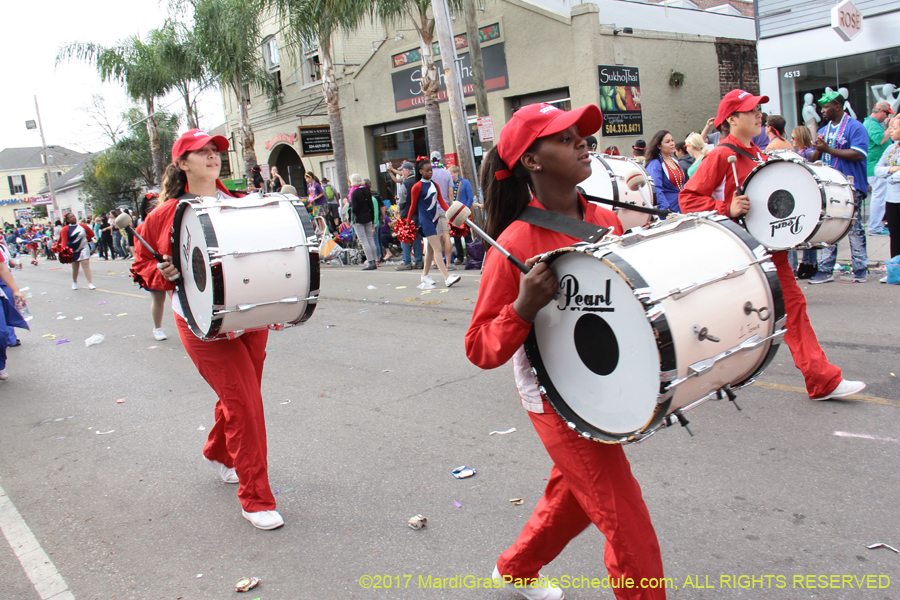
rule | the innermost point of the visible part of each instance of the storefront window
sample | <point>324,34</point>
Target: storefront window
<point>802,85</point>
<point>394,148</point>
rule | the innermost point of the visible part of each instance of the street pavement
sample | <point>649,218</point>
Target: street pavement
<point>369,408</point>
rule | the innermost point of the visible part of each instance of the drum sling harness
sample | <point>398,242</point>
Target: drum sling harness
<point>587,232</point>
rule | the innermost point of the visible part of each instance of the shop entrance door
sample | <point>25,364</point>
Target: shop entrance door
<point>329,172</point>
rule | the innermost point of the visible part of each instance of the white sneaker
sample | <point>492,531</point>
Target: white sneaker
<point>883,279</point>
<point>74,286</point>
<point>451,280</point>
<point>264,519</point>
<point>4,375</point>
<point>542,591</point>
<point>227,474</point>
<point>159,335</point>
<point>427,279</point>
<point>844,388</point>
<point>91,286</point>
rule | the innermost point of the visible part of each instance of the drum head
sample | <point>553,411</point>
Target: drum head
<point>195,288</point>
<point>601,182</point>
<point>594,350</point>
<point>785,204</point>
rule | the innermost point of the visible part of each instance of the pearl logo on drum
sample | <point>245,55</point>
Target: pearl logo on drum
<point>570,299</point>
<point>792,224</point>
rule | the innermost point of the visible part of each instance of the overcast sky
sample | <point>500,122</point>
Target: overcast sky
<point>32,37</point>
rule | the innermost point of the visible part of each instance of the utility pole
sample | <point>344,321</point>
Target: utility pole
<point>46,159</point>
<point>481,105</point>
<point>453,77</point>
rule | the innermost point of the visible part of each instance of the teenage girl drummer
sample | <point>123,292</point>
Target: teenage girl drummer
<point>713,187</point>
<point>236,445</point>
<point>540,157</point>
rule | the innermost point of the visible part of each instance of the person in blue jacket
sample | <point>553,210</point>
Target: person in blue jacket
<point>663,168</point>
<point>462,191</point>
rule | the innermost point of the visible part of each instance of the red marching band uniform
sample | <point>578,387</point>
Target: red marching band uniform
<point>233,368</point>
<point>821,376</point>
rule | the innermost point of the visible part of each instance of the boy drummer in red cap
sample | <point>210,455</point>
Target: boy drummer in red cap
<point>713,187</point>
<point>540,158</point>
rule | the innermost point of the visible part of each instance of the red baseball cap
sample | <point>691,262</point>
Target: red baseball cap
<point>538,120</point>
<point>194,140</point>
<point>737,101</point>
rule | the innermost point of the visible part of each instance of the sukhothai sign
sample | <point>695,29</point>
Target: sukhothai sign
<point>620,100</point>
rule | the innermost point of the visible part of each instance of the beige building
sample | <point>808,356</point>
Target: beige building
<point>25,175</point>
<point>648,66</point>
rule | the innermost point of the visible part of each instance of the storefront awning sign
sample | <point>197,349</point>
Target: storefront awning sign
<point>846,20</point>
<point>281,138</point>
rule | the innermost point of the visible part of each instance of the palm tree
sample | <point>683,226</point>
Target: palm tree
<point>394,11</point>
<point>227,34</point>
<point>136,65</point>
<point>177,48</point>
<point>315,22</point>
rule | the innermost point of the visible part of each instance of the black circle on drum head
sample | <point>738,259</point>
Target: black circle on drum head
<point>198,267</point>
<point>781,204</point>
<point>596,344</point>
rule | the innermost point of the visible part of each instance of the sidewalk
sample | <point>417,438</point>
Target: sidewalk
<point>878,248</point>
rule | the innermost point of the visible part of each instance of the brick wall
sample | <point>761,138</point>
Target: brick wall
<point>738,66</point>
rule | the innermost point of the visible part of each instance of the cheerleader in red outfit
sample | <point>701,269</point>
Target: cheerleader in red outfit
<point>540,157</point>
<point>236,445</point>
<point>709,188</point>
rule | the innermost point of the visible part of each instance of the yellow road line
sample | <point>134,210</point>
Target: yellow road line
<point>857,397</point>
<point>142,296</point>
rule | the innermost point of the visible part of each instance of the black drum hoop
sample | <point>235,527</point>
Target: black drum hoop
<point>664,344</point>
<point>218,280</point>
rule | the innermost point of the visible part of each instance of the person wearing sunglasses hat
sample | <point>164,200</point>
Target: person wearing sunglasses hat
<point>540,157</point>
<point>236,445</point>
<point>879,139</point>
<point>713,188</point>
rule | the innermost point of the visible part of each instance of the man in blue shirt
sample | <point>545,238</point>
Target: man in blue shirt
<point>843,144</point>
<point>460,190</point>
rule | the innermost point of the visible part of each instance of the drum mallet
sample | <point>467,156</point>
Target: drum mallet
<point>636,181</point>
<point>737,184</point>
<point>124,221</point>
<point>733,159</point>
<point>458,215</point>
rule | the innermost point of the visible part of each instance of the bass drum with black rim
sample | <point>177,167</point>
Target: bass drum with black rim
<point>246,263</point>
<point>633,340</point>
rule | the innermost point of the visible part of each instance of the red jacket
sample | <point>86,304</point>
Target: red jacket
<point>496,330</point>
<point>697,193</point>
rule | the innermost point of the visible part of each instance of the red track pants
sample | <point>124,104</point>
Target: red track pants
<point>589,483</point>
<point>820,375</point>
<point>233,368</point>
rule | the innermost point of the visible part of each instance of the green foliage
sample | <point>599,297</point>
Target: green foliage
<point>227,37</point>
<point>116,175</point>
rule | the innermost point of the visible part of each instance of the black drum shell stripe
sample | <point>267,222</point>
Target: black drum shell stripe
<point>218,280</point>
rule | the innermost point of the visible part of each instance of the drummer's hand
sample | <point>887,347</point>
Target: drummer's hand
<point>167,270</point>
<point>536,289</point>
<point>740,205</point>
<point>821,145</point>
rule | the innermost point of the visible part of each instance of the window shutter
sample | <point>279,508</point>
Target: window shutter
<point>12,188</point>
<point>24,185</point>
